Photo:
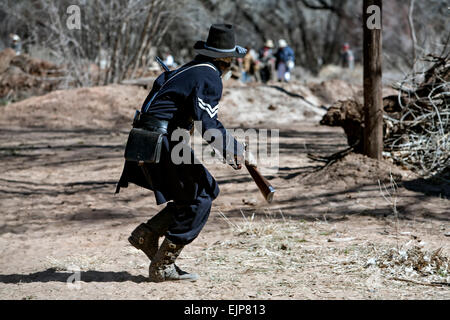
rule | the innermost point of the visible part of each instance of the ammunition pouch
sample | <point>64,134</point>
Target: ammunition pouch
<point>145,139</point>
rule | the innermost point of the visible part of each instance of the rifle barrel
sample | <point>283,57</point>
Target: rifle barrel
<point>162,64</point>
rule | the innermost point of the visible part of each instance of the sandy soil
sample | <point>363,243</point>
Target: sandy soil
<point>326,235</point>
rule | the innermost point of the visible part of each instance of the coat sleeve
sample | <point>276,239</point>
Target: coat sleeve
<point>205,100</point>
<point>291,55</point>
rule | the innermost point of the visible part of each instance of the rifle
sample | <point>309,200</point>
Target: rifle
<point>264,186</point>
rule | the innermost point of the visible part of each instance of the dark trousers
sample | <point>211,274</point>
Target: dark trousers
<point>184,220</point>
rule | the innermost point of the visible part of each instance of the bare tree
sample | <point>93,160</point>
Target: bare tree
<point>109,26</point>
<point>122,33</point>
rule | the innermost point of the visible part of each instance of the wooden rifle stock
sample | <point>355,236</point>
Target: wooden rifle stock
<point>264,186</point>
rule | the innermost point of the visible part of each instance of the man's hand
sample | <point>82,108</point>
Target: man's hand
<point>237,163</point>
<point>248,158</point>
<point>236,166</point>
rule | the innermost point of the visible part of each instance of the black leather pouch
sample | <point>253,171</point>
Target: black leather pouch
<point>144,146</point>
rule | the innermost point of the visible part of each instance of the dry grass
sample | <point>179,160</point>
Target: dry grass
<point>415,263</point>
<point>266,245</point>
<point>79,262</point>
<point>283,245</point>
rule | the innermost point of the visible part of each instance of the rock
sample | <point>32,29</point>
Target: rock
<point>341,239</point>
<point>250,202</point>
<point>371,262</point>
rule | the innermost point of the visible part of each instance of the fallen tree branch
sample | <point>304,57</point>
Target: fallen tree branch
<point>431,284</point>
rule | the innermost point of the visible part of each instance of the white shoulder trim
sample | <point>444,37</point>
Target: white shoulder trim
<point>179,72</point>
<point>196,65</point>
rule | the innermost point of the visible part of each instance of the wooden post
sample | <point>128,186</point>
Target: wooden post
<point>373,98</point>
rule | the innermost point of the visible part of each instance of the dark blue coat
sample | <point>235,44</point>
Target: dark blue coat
<point>193,94</point>
<point>284,55</point>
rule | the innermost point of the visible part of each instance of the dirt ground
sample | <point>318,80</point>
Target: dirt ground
<point>329,234</point>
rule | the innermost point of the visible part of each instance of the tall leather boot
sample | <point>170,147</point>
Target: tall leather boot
<point>146,236</point>
<point>163,266</point>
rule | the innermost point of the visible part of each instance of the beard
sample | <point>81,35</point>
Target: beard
<point>224,65</point>
<point>226,75</point>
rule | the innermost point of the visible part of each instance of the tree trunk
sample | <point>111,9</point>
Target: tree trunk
<point>373,99</point>
<point>134,62</point>
<point>412,31</point>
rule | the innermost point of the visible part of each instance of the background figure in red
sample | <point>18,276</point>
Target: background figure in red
<point>347,58</point>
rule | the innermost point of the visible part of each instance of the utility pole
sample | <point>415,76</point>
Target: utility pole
<point>373,98</point>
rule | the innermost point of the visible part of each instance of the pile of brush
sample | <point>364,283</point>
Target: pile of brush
<point>417,124</point>
<point>412,263</point>
<point>416,120</point>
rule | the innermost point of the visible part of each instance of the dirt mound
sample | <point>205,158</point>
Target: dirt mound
<point>23,76</point>
<point>331,71</point>
<point>275,103</point>
<point>113,106</point>
<point>356,169</point>
<point>333,90</point>
<point>5,58</point>
<point>97,107</point>
<point>340,88</point>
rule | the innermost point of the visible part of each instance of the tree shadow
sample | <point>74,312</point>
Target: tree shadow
<point>303,206</point>
<point>53,275</point>
<point>295,95</point>
<point>437,185</point>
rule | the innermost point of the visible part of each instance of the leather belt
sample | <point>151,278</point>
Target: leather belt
<point>151,123</point>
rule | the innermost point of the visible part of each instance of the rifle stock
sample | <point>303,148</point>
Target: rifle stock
<point>264,186</point>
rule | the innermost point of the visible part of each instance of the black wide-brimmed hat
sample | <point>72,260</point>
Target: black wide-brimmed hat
<point>220,43</point>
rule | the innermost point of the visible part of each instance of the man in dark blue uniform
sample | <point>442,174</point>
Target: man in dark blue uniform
<point>179,97</point>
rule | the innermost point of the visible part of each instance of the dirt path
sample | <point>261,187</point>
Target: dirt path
<point>316,241</point>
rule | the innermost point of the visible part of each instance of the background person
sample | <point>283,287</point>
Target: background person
<point>347,57</point>
<point>267,61</point>
<point>16,44</point>
<point>284,60</point>
<point>247,67</point>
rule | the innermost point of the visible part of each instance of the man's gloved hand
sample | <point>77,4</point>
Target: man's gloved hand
<point>237,163</point>
<point>248,158</point>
